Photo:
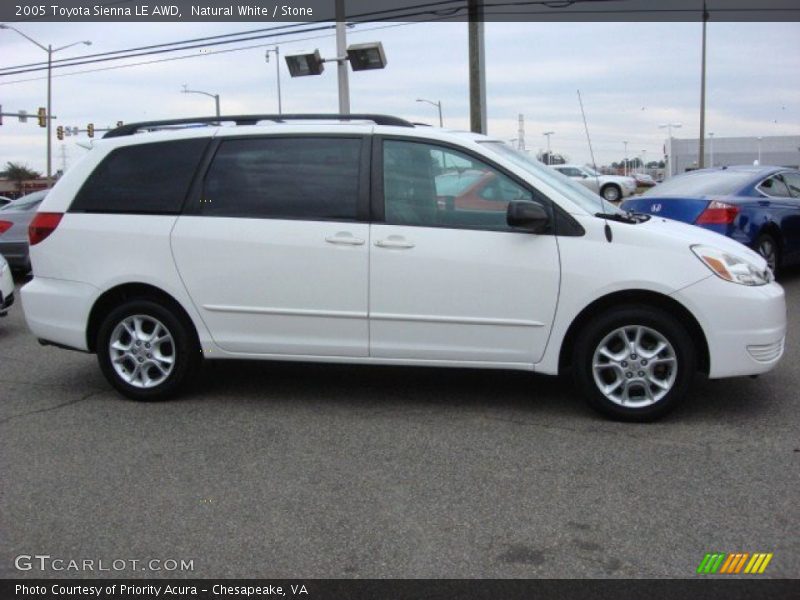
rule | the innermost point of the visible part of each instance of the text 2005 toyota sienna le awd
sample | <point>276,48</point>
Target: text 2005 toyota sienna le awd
<point>372,241</point>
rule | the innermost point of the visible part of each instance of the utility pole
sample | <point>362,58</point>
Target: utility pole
<point>521,133</point>
<point>341,59</point>
<point>477,68</point>
<point>702,149</point>
<point>277,51</point>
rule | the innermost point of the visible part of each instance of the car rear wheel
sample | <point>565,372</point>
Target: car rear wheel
<point>611,193</point>
<point>768,248</point>
<point>145,350</point>
<point>634,363</point>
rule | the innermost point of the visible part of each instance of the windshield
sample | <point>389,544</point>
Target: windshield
<point>704,183</point>
<point>591,171</point>
<point>579,194</point>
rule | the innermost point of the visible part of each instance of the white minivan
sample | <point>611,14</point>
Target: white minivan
<point>366,239</point>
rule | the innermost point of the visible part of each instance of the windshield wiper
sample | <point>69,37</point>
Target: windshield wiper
<point>620,218</point>
<point>640,217</point>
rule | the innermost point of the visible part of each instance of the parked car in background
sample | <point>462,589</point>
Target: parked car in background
<point>14,220</point>
<point>611,187</point>
<point>755,205</point>
<point>6,287</point>
<point>4,201</point>
<point>643,180</point>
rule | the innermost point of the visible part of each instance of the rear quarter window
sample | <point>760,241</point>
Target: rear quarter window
<point>146,178</point>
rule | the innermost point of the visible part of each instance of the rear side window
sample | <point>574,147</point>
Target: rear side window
<point>146,178</point>
<point>291,178</point>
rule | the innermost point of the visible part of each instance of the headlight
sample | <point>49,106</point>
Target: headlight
<point>732,268</point>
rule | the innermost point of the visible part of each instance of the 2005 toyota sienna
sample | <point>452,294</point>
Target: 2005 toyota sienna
<point>343,239</point>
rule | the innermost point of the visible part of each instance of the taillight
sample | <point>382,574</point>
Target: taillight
<point>718,213</point>
<point>5,226</point>
<point>43,224</point>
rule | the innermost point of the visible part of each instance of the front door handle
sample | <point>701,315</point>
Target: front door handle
<point>394,241</point>
<point>344,238</point>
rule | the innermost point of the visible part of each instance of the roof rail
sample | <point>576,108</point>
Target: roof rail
<point>131,128</point>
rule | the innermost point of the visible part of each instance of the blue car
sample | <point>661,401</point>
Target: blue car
<point>755,205</point>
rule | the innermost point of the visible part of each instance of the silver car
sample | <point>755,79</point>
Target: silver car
<point>611,187</point>
<point>14,220</point>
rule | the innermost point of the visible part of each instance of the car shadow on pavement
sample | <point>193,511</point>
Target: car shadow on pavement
<point>419,388</point>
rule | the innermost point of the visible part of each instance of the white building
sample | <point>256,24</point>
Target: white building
<point>783,151</point>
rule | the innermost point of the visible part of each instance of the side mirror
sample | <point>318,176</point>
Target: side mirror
<point>527,216</point>
<point>584,176</point>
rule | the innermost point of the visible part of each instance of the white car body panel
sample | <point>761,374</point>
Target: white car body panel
<point>258,288</point>
<point>6,283</point>
<point>461,295</point>
<point>273,286</point>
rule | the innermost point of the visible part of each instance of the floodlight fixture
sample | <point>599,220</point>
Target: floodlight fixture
<point>305,63</point>
<point>364,57</point>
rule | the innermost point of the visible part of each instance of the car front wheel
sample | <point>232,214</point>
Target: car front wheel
<point>768,249</point>
<point>634,363</point>
<point>145,350</point>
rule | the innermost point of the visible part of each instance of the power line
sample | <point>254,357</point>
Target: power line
<point>428,9</point>
<point>227,51</point>
<point>162,51</point>
<point>43,64</point>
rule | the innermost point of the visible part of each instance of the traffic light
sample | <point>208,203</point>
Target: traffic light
<point>90,129</point>
<point>60,132</point>
<point>42,114</point>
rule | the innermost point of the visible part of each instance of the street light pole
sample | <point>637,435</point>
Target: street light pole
<point>547,134</point>
<point>50,51</point>
<point>668,127</point>
<point>214,96</point>
<point>437,104</point>
<point>625,160</point>
<point>277,51</point>
<point>759,150</point>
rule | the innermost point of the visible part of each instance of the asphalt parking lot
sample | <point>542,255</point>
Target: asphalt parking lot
<point>308,471</point>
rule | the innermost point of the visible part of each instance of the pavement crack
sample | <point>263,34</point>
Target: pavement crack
<point>50,408</point>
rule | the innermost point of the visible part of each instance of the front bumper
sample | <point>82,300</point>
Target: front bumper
<point>745,326</point>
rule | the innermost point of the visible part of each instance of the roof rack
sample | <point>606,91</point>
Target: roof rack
<point>131,128</point>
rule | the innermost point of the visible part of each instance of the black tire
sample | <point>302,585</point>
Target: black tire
<point>182,348</point>
<point>767,246</point>
<point>652,322</point>
<point>611,193</point>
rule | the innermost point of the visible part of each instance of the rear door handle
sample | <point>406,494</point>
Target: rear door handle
<point>344,238</point>
<point>395,241</point>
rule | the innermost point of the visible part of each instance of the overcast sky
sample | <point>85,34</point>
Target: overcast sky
<point>632,76</point>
